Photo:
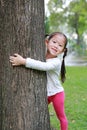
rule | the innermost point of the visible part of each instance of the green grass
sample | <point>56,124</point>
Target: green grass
<point>76,99</point>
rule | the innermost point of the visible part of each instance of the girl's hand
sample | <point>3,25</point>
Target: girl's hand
<point>17,60</point>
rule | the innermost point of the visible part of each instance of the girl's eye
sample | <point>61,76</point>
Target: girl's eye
<point>54,42</point>
<point>60,45</point>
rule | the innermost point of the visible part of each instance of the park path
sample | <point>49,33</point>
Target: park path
<point>73,60</point>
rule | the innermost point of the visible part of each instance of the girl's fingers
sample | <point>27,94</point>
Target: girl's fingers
<point>16,54</point>
<point>16,59</point>
<point>13,64</point>
<point>12,57</point>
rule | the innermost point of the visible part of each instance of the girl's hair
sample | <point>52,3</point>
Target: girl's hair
<point>63,69</point>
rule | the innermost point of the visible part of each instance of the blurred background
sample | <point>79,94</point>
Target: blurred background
<point>69,17</point>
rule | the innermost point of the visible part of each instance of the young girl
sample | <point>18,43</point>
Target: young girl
<point>55,44</point>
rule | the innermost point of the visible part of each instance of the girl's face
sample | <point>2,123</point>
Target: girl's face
<point>55,45</point>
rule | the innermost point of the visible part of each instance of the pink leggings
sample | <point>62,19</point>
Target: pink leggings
<point>58,104</point>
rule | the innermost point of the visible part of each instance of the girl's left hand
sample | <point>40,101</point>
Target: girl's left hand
<point>17,60</point>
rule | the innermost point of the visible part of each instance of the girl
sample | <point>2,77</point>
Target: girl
<point>56,44</point>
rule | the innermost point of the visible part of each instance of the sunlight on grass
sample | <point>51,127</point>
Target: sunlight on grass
<point>76,99</point>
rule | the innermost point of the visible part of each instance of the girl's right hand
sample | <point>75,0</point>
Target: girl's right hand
<point>17,60</point>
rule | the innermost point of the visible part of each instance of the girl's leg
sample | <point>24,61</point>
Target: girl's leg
<point>49,100</point>
<point>58,103</point>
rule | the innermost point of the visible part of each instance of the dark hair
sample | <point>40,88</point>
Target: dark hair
<point>63,69</point>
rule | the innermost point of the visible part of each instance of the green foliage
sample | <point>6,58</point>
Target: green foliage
<point>46,25</point>
<point>76,99</point>
<point>71,19</point>
<point>77,15</point>
<point>53,5</point>
<point>55,18</point>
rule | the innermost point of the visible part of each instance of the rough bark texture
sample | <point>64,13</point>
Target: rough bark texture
<point>23,101</point>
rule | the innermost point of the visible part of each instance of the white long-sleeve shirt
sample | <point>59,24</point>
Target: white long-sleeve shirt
<point>52,68</point>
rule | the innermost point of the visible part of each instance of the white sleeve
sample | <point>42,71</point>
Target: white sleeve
<point>39,65</point>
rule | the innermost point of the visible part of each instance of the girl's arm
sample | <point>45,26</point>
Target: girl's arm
<point>17,60</point>
<point>39,65</point>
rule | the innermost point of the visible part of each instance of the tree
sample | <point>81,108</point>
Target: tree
<point>46,25</point>
<point>23,101</point>
<point>74,15</point>
<point>77,17</point>
<point>71,18</point>
<point>56,17</point>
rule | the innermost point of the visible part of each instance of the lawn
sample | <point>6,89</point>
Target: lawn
<point>76,99</point>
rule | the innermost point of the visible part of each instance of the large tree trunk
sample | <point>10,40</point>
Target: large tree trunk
<point>23,99</point>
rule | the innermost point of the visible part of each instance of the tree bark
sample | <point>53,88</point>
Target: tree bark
<point>23,97</point>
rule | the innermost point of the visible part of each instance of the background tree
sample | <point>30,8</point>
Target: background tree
<point>77,18</point>
<point>23,99</point>
<point>46,25</point>
<point>77,24</point>
<point>70,17</point>
<point>56,17</point>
